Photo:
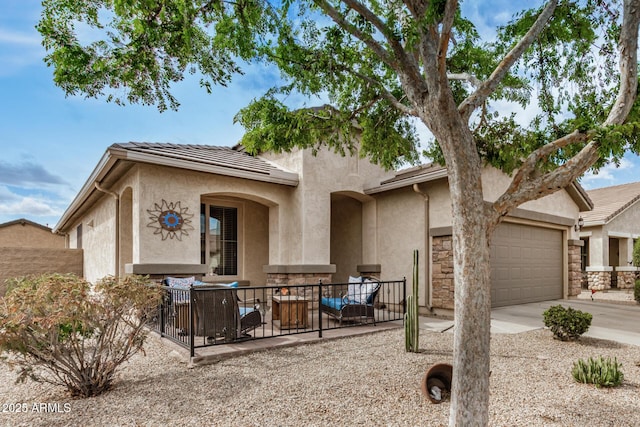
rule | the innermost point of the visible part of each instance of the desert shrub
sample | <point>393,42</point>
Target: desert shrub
<point>636,291</point>
<point>56,329</point>
<point>566,324</point>
<point>599,372</point>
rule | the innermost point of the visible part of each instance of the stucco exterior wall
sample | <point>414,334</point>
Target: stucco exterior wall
<point>560,204</point>
<point>626,224</point>
<point>25,235</point>
<point>320,176</point>
<point>400,232</point>
<point>98,239</point>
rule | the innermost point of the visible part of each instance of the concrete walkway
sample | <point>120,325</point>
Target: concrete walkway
<point>611,321</point>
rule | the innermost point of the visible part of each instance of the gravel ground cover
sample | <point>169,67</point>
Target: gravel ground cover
<point>366,380</point>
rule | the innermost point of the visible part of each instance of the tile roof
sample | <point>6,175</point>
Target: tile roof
<point>226,157</point>
<point>610,201</point>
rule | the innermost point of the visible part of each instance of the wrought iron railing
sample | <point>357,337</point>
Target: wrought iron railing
<point>208,315</point>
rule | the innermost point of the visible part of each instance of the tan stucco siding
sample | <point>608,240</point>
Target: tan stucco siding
<point>190,188</point>
<point>559,204</point>
<point>255,246</point>
<point>29,236</point>
<point>400,231</point>
<point>98,239</point>
<point>627,223</point>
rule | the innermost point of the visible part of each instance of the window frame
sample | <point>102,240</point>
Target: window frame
<point>207,203</point>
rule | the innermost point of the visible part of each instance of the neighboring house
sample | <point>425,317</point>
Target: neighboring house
<point>23,233</point>
<point>293,218</point>
<point>609,232</point>
<point>30,248</point>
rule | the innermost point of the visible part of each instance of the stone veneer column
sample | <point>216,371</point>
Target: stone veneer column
<point>442,294</point>
<point>626,277</point>
<point>296,276</point>
<point>599,278</point>
<point>575,268</point>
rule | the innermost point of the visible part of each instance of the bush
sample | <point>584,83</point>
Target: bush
<point>58,330</point>
<point>636,291</point>
<point>566,324</point>
<point>600,372</point>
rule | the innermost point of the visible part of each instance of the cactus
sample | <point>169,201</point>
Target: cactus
<point>411,324</point>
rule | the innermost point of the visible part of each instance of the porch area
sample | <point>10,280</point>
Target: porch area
<point>208,323</point>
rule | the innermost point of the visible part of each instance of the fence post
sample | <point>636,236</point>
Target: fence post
<point>191,316</point>
<point>320,308</point>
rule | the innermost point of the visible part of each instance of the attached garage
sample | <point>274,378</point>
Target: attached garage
<point>526,264</point>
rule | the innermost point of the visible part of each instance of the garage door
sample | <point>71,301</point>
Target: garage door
<point>526,264</point>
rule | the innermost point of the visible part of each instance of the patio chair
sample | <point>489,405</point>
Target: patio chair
<point>357,304</point>
<point>219,316</point>
<point>217,313</point>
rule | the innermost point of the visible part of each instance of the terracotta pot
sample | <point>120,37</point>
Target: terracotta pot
<point>439,375</point>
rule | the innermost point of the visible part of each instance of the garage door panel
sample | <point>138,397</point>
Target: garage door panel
<point>526,264</point>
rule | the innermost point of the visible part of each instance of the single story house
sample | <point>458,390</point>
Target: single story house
<point>609,232</point>
<point>22,233</point>
<point>295,217</point>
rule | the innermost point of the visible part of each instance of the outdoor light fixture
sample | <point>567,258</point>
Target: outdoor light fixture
<point>579,225</point>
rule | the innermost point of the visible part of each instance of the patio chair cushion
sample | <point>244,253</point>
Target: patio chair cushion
<point>180,282</point>
<point>360,291</point>
<point>335,303</point>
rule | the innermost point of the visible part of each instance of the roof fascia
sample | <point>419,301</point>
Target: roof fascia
<point>107,161</point>
<point>276,177</point>
<point>580,196</point>
<point>416,179</point>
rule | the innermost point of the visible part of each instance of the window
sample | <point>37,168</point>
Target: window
<point>219,239</point>
<point>584,254</point>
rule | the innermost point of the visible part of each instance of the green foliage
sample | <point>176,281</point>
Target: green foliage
<point>566,324</point>
<point>636,253</point>
<point>636,291</point>
<point>360,60</point>
<point>143,47</point>
<point>599,372</point>
<point>60,331</point>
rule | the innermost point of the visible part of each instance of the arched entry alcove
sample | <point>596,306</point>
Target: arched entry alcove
<point>350,228</point>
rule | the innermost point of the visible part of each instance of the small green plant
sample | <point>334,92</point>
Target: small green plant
<point>57,329</point>
<point>599,372</point>
<point>636,292</point>
<point>567,324</point>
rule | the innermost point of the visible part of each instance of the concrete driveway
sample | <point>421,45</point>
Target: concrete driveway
<point>615,322</point>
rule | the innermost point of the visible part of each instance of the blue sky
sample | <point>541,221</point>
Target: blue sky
<point>50,143</point>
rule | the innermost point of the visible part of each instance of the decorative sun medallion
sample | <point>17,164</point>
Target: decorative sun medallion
<point>170,220</point>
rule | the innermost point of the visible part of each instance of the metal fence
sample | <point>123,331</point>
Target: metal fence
<point>208,315</point>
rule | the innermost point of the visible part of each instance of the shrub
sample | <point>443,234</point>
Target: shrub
<point>600,372</point>
<point>636,291</point>
<point>58,330</point>
<point>566,324</point>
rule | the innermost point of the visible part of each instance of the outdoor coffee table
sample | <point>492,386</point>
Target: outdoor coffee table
<point>290,311</point>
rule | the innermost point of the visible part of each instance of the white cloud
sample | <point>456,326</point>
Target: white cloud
<point>29,206</point>
<point>19,39</point>
<point>606,176</point>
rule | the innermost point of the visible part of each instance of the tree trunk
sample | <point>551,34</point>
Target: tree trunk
<point>471,358</point>
<point>472,227</point>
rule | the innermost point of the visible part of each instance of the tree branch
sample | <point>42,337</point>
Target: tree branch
<point>476,99</point>
<point>465,76</point>
<point>339,19</point>
<point>524,185</point>
<point>628,64</point>
<point>450,9</point>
